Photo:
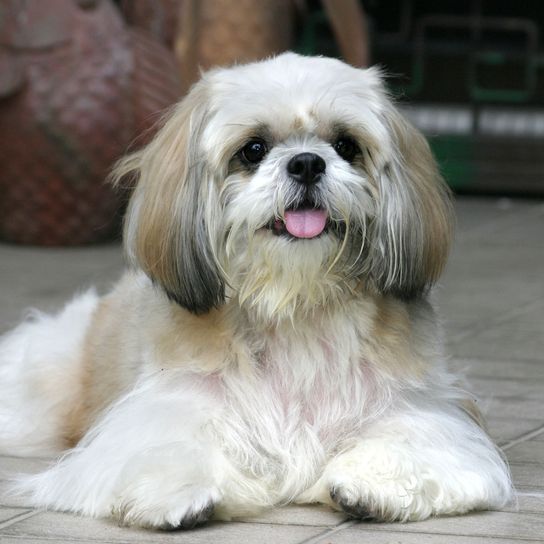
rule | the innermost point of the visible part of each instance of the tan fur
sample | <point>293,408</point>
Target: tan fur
<point>103,372</point>
<point>130,320</point>
<point>471,408</point>
<point>298,124</point>
<point>391,342</point>
<point>434,196</point>
<point>162,192</point>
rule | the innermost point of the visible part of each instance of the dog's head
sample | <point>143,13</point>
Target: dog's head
<point>286,183</point>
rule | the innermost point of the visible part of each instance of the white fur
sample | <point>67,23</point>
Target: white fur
<point>313,377</point>
<point>39,377</point>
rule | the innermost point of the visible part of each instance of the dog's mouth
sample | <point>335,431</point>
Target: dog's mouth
<point>302,221</point>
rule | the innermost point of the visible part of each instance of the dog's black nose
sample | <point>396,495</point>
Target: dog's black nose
<point>306,168</point>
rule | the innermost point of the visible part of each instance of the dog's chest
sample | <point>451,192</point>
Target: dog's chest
<point>305,402</point>
<point>319,384</point>
<point>311,387</point>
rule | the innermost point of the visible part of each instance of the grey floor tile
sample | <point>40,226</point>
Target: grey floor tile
<point>521,337</point>
<point>524,232</point>
<point>497,261</point>
<point>9,499</point>
<point>505,369</point>
<point>513,406</point>
<point>523,526</point>
<point>475,215</point>
<point>503,428</point>
<point>531,451</point>
<point>316,515</point>
<point>503,222</point>
<point>44,540</point>
<point>13,465</point>
<point>57,527</point>
<point>8,513</point>
<point>453,327</point>
<point>528,477</point>
<point>497,387</point>
<point>528,502</point>
<point>360,535</point>
<point>46,277</point>
<point>483,283</point>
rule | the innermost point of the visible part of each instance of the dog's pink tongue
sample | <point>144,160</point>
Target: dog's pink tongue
<point>305,223</point>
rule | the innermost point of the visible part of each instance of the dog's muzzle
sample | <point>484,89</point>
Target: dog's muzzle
<point>305,220</point>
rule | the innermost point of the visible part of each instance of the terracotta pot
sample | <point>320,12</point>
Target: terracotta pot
<point>77,86</point>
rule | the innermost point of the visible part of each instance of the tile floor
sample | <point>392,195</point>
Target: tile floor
<point>492,302</point>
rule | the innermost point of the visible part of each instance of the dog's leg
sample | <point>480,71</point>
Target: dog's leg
<point>150,460</point>
<point>40,378</point>
<point>414,465</point>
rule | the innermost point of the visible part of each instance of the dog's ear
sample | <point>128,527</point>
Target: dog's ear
<point>413,226</point>
<point>171,222</point>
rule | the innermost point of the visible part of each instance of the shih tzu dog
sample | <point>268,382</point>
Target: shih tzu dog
<point>273,341</point>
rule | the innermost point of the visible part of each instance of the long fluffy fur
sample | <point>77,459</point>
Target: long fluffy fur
<point>233,369</point>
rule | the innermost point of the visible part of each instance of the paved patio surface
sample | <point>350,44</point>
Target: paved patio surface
<point>492,302</point>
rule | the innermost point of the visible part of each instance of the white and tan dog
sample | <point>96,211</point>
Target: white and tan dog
<point>273,341</point>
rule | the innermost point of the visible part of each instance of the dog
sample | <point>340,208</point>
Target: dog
<point>272,340</point>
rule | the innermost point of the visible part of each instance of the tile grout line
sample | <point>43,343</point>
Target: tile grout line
<point>524,437</point>
<point>330,531</point>
<point>19,517</point>
<point>536,494</point>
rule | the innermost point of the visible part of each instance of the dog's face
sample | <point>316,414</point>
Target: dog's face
<point>288,182</point>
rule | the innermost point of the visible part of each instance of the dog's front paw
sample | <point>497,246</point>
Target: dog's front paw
<point>377,499</point>
<point>158,491</point>
<point>384,487</point>
<point>390,480</point>
<point>185,508</point>
<point>351,503</point>
<point>193,518</point>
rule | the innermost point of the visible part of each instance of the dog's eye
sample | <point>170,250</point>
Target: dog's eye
<point>254,151</point>
<point>346,148</point>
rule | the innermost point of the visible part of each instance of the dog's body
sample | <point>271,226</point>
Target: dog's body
<point>273,342</point>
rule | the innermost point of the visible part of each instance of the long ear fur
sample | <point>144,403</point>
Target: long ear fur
<point>413,228</point>
<point>168,230</point>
